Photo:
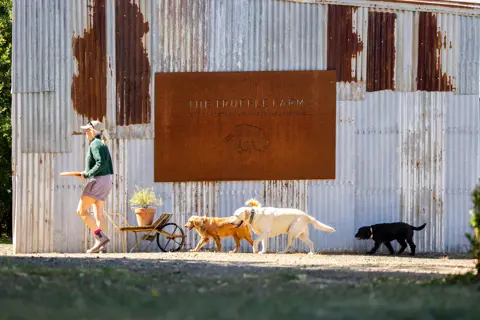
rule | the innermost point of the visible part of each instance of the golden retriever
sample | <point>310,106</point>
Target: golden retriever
<point>269,222</point>
<point>218,228</point>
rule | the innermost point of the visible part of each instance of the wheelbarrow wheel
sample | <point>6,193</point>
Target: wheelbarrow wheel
<point>171,238</point>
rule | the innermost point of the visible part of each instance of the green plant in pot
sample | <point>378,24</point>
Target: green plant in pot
<point>143,199</point>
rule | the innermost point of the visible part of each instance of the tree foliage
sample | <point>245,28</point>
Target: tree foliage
<point>5,117</point>
<point>475,224</point>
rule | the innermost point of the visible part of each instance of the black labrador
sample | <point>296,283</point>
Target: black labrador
<point>386,232</point>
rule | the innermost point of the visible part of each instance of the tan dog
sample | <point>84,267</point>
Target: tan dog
<point>218,228</point>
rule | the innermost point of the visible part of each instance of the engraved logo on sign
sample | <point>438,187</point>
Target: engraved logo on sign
<point>248,138</point>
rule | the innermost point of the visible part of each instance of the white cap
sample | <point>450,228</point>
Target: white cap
<point>97,125</point>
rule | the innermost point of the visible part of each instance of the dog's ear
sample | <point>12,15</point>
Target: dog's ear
<point>198,222</point>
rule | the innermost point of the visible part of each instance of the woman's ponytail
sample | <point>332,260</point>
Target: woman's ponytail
<point>105,136</point>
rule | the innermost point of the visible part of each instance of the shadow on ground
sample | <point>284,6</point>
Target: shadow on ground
<point>156,288</point>
<point>208,269</point>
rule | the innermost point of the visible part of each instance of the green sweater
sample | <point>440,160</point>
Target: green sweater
<point>98,160</point>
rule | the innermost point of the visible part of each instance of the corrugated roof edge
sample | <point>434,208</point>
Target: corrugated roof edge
<point>442,6</point>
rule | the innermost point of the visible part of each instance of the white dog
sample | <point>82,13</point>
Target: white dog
<point>269,222</point>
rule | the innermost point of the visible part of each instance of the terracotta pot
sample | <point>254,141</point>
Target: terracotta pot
<point>144,216</point>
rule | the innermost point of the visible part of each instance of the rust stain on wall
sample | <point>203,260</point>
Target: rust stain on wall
<point>132,65</point>
<point>343,44</point>
<point>89,86</point>
<point>443,3</point>
<point>431,41</point>
<point>381,51</point>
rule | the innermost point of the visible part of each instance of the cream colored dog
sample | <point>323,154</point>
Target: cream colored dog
<point>269,222</point>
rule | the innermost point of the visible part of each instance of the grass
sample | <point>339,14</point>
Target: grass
<point>5,240</point>
<point>33,291</point>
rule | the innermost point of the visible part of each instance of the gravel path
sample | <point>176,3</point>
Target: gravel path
<point>349,268</point>
<point>5,249</point>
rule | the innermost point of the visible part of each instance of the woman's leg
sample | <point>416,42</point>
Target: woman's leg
<point>82,210</point>
<point>98,207</point>
<point>98,189</point>
<point>100,238</point>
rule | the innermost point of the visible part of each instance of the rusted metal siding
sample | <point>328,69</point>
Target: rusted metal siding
<point>281,193</point>
<point>410,147</point>
<point>422,143</point>
<point>366,190</point>
<point>462,167</point>
<point>194,198</point>
<point>347,48</point>
<point>467,38</point>
<point>227,27</point>
<point>233,194</point>
<point>35,202</point>
<point>333,202</point>
<point>33,192</point>
<point>441,6</point>
<point>37,62</point>
<point>132,66</point>
<point>451,4</point>
<point>377,162</point>
<point>39,114</point>
<point>181,47</point>
<point>406,46</point>
<point>433,48</point>
<point>89,94</point>
<point>381,51</point>
<point>134,160</point>
<point>401,155</point>
<point>265,35</point>
<point>229,36</point>
<point>179,28</point>
<point>33,55</point>
<point>343,43</point>
<point>68,229</point>
<point>112,68</point>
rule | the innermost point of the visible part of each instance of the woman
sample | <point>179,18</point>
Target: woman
<point>98,172</point>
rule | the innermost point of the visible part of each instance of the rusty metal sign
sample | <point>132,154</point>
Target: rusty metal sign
<point>213,126</point>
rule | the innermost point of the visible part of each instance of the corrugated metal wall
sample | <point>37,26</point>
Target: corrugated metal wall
<point>408,120</point>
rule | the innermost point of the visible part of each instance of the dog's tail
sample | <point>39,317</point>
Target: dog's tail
<point>419,228</point>
<point>318,225</point>
<point>252,202</point>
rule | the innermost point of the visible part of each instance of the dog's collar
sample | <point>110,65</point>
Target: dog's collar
<point>252,214</point>
<point>371,233</point>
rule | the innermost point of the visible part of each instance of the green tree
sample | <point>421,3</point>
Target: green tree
<point>475,224</point>
<point>5,117</point>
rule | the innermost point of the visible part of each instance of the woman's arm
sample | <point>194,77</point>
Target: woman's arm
<point>99,162</point>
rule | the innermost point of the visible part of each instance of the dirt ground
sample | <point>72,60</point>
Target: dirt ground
<point>209,285</point>
<point>347,268</point>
